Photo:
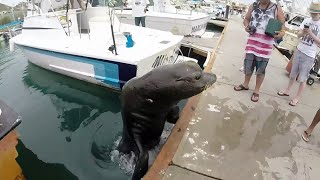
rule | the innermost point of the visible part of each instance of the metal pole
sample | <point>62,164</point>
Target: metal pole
<point>14,18</point>
<point>67,19</point>
<point>80,28</point>
<point>112,33</point>
<point>33,7</point>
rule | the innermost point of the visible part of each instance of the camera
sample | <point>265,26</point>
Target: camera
<point>252,30</point>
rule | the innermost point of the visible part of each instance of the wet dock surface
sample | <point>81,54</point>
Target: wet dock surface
<point>231,137</point>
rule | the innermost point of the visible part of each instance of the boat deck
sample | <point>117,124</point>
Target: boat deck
<point>205,44</point>
<point>185,16</point>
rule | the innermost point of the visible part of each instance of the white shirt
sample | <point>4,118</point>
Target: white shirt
<point>138,7</point>
<point>307,44</point>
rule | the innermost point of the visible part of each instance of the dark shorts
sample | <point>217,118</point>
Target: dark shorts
<point>140,20</point>
<point>253,62</point>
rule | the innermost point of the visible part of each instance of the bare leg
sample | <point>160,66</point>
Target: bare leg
<point>315,121</point>
<point>259,81</point>
<point>307,133</point>
<point>245,83</point>
<point>298,96</point>
<point>247,80</point>
<point>291,82</point>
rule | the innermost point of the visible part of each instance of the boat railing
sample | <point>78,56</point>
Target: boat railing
<point>59,15</point>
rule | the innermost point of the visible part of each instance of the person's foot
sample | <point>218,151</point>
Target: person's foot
<point>294,102</point>
<point>255,97</point>
<point>283,93</point>
<point>305,136</point>
<point>241,88</point>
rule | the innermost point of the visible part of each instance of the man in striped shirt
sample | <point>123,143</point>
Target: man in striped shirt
<point>259,45</point>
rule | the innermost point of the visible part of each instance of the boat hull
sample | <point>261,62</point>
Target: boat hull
<point>106,73</point>
<point>178,26</point>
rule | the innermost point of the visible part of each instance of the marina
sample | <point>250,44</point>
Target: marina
<point>70,114</point>
<point>66,70</point>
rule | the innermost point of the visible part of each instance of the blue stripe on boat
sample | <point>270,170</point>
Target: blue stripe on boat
<point>106,71</point>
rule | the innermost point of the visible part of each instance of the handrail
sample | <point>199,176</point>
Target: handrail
<point>53,13</point>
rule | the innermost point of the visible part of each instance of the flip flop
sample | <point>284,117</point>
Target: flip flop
<point>291,103</point>
<point>240,88</point>
<point>306,139</point>
<point>255,95</point>
<point>280,93</point>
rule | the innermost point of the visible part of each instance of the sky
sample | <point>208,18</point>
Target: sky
<point>14,2</point>
<point>11,2</point>
<point>245,1</point>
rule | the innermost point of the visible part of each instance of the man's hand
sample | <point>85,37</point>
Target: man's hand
<point>307,31</point>
<point>279,34</point>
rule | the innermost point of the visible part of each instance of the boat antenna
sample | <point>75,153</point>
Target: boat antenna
<point>67,19</point>
<point>113,47</point>
<point>87,4</point>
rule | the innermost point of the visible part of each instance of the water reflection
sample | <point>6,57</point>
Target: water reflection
<point>77,103</point>
<point>49,171</point>
<point>72,116</point>
<point>4,60</point>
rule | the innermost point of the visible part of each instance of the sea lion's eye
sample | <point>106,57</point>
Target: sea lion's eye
<point>149,100</point>
<point>198,76</point>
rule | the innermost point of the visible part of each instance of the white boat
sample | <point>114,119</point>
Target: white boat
<point>167,17</point>
<point>82,47</point>
<point>212,8</point>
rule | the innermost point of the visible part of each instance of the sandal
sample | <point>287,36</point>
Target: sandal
<point>292,103</point>
<point>240,88</point>
<point>305,136</point>
<point>280,93</point>
<point>255,97</point>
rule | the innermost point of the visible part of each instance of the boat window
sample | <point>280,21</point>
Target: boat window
<point>296,21</point>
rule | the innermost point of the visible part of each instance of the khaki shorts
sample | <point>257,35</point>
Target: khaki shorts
<point>301,65</point>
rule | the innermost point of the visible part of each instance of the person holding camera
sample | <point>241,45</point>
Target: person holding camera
<point>139,9</point>
<point>259,45</point>
<point>305,53</point>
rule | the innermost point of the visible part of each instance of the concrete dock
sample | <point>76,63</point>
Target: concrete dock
<point>222,134</point>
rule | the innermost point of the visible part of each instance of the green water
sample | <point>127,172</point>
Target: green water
<point>61,118</point>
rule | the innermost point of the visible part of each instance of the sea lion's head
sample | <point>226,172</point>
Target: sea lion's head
<point>174,82</point>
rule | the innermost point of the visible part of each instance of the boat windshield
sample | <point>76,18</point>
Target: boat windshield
<point>296,21</point>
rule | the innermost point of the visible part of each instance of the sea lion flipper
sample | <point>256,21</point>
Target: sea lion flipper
<point>173,115</point>
<point>142,162</point>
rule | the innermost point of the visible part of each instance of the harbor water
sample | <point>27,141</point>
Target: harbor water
<point>62,118</point>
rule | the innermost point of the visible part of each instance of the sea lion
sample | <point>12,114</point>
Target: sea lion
<point>151,100</point>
